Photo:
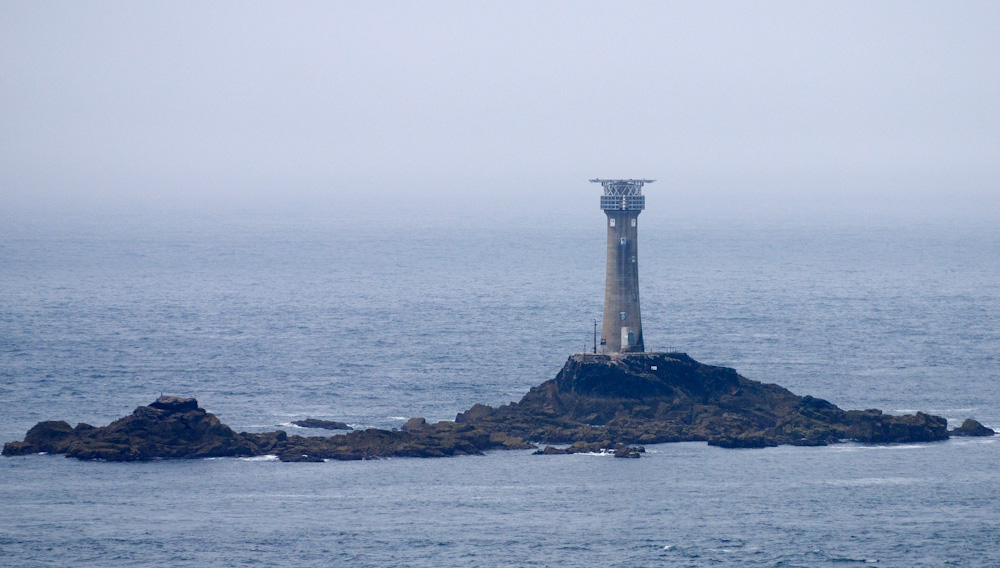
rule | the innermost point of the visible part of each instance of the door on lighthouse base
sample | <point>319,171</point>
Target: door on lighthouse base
<point>628,338</point>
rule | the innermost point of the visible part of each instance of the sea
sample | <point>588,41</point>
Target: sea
<point>372,319</point>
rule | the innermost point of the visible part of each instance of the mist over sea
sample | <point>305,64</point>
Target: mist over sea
<point>372,318</point>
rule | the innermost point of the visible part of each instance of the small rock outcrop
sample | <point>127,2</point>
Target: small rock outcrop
<point>972,428</point>
<point>321,424</point>
<point>413,424</point>
<point>174,404</point>
<point>619,450</point>
<point>550,451</point>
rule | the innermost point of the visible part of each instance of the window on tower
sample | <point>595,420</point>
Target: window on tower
<point>633,222</point>
<point>612,222</point>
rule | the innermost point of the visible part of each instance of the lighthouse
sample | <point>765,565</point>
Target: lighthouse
<point>621,331</point>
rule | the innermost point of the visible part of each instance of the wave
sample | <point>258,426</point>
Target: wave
<point>872,481</point>
<point>854,447</point>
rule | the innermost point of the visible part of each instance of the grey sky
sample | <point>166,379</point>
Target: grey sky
<point>894,104</point>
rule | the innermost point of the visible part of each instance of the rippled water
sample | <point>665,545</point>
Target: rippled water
<point>374,320</point>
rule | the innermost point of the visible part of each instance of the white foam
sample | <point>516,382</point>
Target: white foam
<point>266,458</point>
<point>857,447</point>
<point>968,441</point>
<point>872,481</point>
<point>866,447</point>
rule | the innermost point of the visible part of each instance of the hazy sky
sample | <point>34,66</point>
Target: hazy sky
<point>772,105</point>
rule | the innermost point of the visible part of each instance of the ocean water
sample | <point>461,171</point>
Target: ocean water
<point>372,320</point>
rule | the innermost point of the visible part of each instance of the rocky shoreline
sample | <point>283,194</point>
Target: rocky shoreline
<point>596,403</point>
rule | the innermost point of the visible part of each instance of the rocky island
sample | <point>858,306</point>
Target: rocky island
<point>596,402</point>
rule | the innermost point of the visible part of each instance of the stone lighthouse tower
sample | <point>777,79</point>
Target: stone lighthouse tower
<point>622,201</point>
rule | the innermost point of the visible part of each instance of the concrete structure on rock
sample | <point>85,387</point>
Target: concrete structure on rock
<point>622,201</point>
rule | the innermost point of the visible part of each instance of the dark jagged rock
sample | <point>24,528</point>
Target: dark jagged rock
<point>590,447</point>
<point>414,424</point>
<point>49,437</point>
<point>619,450</point>
<point>178,428</point>
<point>668,397</point>
<point>972,428</point>
<point>756,439</point>
<point>629,452</point>
<point>321,424</point>
<point>267,442</point>
<point>597,403</point>
<point>550,451</point>
<point>297,455</point>
<point>174,404</point>
<point>440,439</point>
<point>170,427</point>
<point>874,427</point>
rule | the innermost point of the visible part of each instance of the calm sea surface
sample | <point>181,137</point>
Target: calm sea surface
<point>373,320</point>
